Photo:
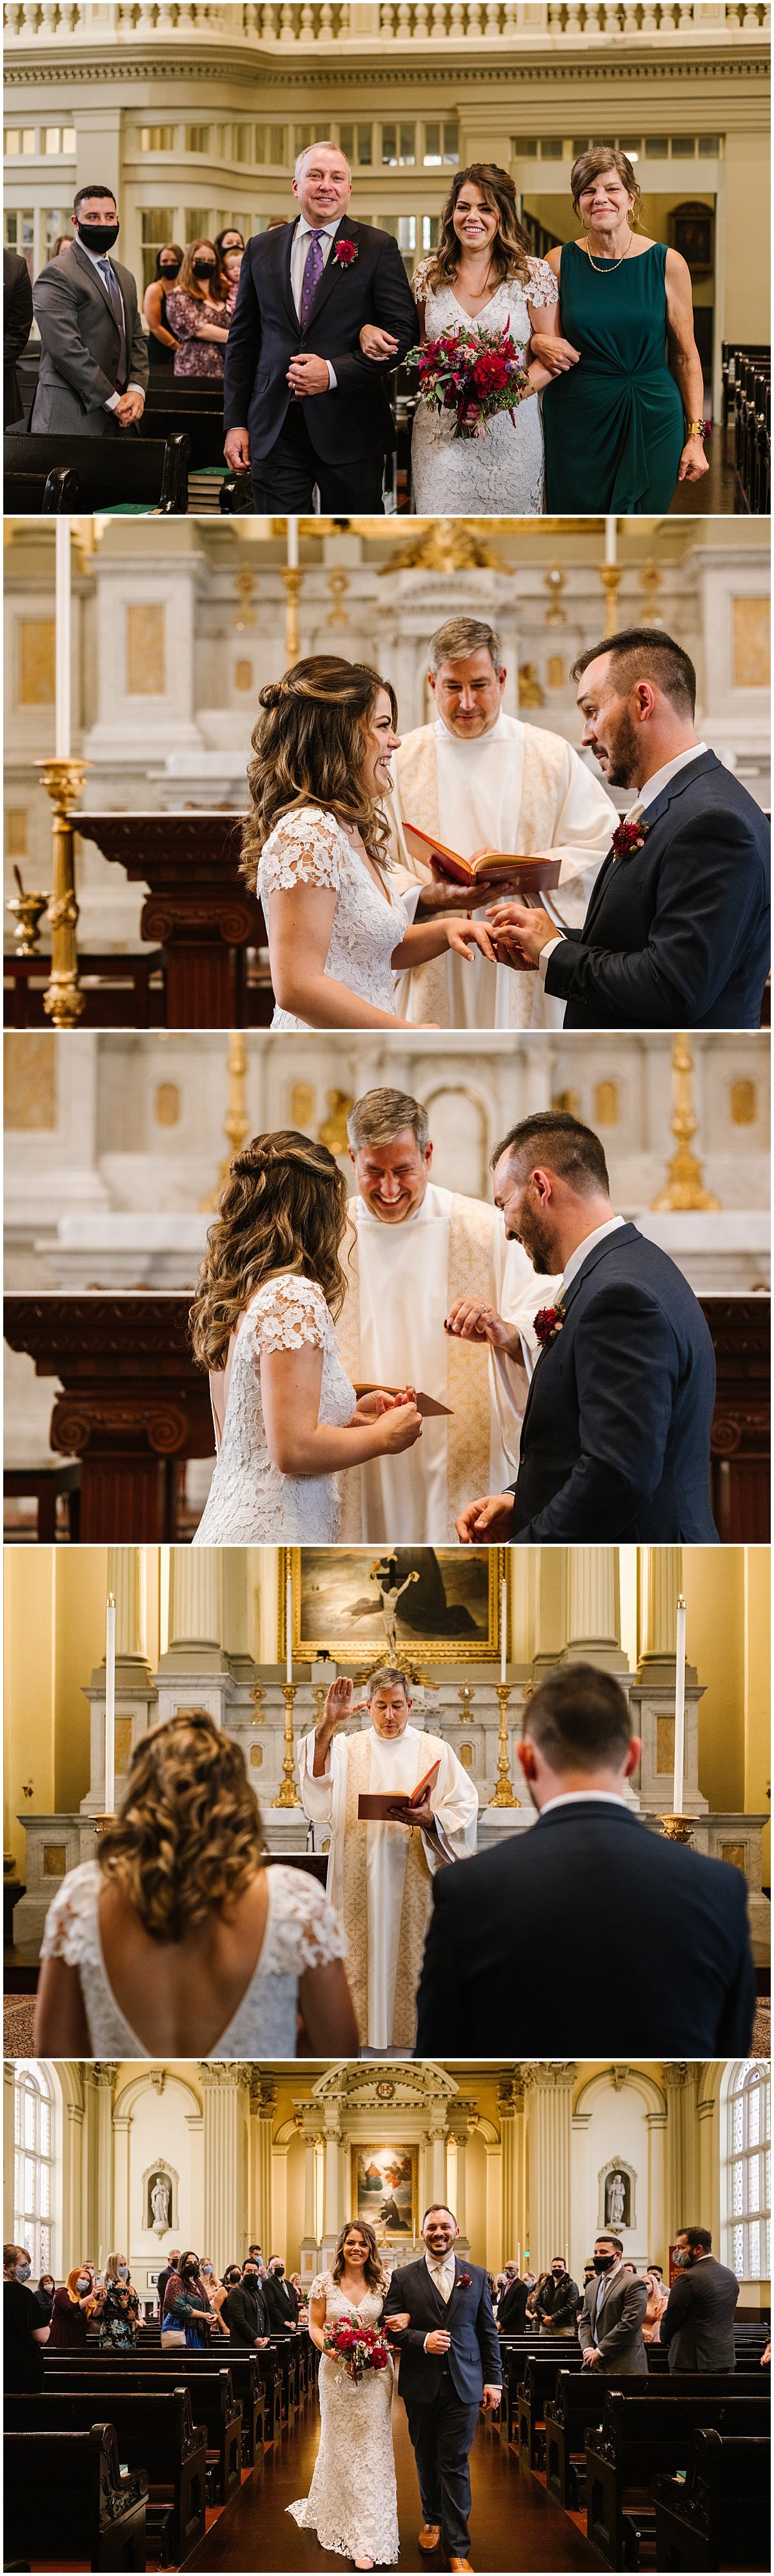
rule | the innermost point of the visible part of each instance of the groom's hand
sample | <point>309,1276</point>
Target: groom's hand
<point>308,374</point>
<point>486,1522</point>
<point>472,1319</point>
<point>237,451</point>
<point>491,2400</point>
<point>438,2341</point>
<point>523,927</point>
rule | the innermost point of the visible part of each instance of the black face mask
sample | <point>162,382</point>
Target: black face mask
<point>204,268</point>
<point>98,237</point>
<point>279,2274</point>
<point>170,267</point>
<point>604,2262</point>
<point>557,2272</point>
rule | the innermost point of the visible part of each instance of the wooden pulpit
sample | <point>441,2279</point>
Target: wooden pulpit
<point>131,1401</point>
<point>740,1474</point>
<point>198,907</point>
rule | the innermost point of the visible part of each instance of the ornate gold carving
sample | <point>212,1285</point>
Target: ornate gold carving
<point>555,581</point>
<point>27,910</point>
<point>243,677</point>
<point>256,1757</point>
<point>288,1793</point>
<point>606,1104</point>
<point>446,545</point>
<point>734,1854</point>
<point>465,1756</point>
<point>63,999</point>
<point>530,692</point>
<point>302,1105</point>
<point>555,671</point>
<point>292,577</point>
<point>504,1795</point>
<point>337,581</point>
<point>333,1129</point>
<point>743,1103</point>
<point>665,1744</point>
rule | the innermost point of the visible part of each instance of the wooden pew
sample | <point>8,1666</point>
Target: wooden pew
<point>721,2515</point>
<point>641,2439</point>
<point>212,2398</point>
<point>538,2384</point>
<point>256,2383</point>
<point>155,2432</point>
<point>65,2498</point>
<point>578,2406</point>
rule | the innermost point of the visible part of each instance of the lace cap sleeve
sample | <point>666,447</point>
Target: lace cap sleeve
<point>307,1932</point>
<point>321,2284</point>
<point>70,1915</point>
<point>306,848</point>
<point>542,286</point>
<point>420,280</point>
<point>286,1313</point>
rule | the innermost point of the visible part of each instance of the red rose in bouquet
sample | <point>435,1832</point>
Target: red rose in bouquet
<point>360,2348</point>
<point>473,373</point>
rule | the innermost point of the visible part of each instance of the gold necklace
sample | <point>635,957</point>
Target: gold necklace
<point>607,267</point>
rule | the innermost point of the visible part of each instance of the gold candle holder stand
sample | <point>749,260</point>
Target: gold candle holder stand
<point>292,576</point>
<point>288,1794</point>
<point>63,1000</point>
<point>677,1829</point>
<point>610,575</point>
<point>504,1795</point>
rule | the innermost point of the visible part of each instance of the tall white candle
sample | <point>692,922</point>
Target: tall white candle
<point>110,1707</point>
<point>611,541</point>
<point>292,544</point>
<point>63,720</point>
<point>679,1708</point>
<point>289,1630</point>
<point>503,1628</point>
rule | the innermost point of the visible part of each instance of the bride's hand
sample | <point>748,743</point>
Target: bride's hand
<point>377,344</point>
<point>466,936</point>
<point>369,1407</point>
<point>401,1427</point>
<point>398,2324</point>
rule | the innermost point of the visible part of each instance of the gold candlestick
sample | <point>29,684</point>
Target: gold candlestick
<point>102,1824</point>
<point>258,1695</point>
<point>27,911</point>
<point>504,1795</point>
<point>610,576</point>
<point>288,1793</point>
<point>319,1695</point>
<point>337,581</point>
<point>685,1178</point>
<point>677,1829</point>
<point>63,1000</point>
<point>292,576</point>
<point>466,1693</point>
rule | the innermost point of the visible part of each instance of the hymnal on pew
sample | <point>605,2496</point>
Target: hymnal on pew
<point>383,1806</point>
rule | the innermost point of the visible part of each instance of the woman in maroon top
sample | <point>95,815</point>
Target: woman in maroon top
<point>74,2309</point>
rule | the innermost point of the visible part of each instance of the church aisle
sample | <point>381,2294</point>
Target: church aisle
<point>512,2523</point>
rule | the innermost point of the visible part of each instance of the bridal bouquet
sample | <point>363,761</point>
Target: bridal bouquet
<point>473,373</point>
<point>360,2348</point>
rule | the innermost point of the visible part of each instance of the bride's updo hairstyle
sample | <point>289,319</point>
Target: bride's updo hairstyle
<point>511,247</point>
<point>283,1207</point>
<point>372,2269</point>
<point>309,746</point>
<point>189,1836</point>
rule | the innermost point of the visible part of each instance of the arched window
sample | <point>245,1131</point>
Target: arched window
<point>747,2169</point>
<point>34,2150</point>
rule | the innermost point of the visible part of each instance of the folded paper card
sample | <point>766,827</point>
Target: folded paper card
<point>425,1404</point>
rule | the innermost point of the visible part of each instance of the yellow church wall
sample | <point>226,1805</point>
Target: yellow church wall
<point>714,1587</point>
<point>757,1690</point>
<point>744,288</point>
<point>80,1591</point>
<point>30,1717</point>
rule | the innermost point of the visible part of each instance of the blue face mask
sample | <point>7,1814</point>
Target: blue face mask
<point>123,2271</point>
<point>24,2271</point>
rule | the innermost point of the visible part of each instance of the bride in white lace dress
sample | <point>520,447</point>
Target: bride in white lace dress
<point>352,2502</point>
<point>482,274</point>
<point>285,1414</point>
<point>315,849</point>
<point>178,1939</point>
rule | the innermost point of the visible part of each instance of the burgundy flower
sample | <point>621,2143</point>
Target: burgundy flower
<point>629,837</point>
<point>548,1322</point>
<point>463,2280</point>
<point>344,252</point>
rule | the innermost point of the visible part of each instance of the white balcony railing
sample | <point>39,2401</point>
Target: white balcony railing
<point>308,24</point>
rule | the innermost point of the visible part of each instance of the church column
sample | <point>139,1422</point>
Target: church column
<point>263,2100</point>
<point>333,2208</point>
<point>194,1602</point>
<point>707,2212</point>
<point>511,2170</point>
<point>72,2187</point>
<point>664,1578</point>
<point>658,2240</point>
<point>135,1697</point>
<point>9,2150</point>
<point>594,1608</point>
<point>438,2135</point>
<point>122,2215</point>
<point>682,2163</point>
<point>99,2240</point>
<point>310,2127</point>
<point>124,1581</point>
<point>223,2088</point>
<point>549,2092</point>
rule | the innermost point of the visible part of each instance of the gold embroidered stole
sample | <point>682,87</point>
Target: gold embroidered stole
<point>470,1273</point>
<point>542,790</point>
<point>413,1914</point>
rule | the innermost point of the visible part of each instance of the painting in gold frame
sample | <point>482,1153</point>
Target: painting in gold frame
<point>439,1605</point>
<point>385,2188</point>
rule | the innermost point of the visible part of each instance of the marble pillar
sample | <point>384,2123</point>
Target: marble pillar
<point>682,2161</point>
<point>549,2091</point>
<point>99,2240</point>
<point>195,1670</point>
<point>262,2107</point>
<point>135,1694</point>
<point>658,2241</point>
<point>124,1580</point>
<point>72,2187</point>
<point>663,1583</point>
<point>594,1608</point>
<point>224,2092</point>
<point>707,2215</point>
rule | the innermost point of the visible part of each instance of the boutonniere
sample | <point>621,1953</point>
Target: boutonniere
<point>344,252</point>
<point>463,2280</point>
<point>629,837</point>
<point>548,1322</point>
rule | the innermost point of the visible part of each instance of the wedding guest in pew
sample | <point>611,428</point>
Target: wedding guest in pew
<point>281,2299</point>
<point>76,2307</point>
<point>44,2296</point>
<point>557,2303</point>
<point>17,325</point>
<point>172,2265</point>
<point>93,370</point>
<point>162,342</point>
<point>246,2310</point>
<point>698,2320</point>
<point>119,2323</point>
<point>214,2291</point>
<point>178,1939</point>
<point>512,2307</point>
<point>611,2318</point>
<point>24,2330</point>
<point>197,313</point>
<point>657,2299</point>
<point>186,2309</point>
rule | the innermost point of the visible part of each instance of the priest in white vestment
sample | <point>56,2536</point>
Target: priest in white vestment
<point>483,780</point>
<point>412,1252</point>
<point>380,1873</point>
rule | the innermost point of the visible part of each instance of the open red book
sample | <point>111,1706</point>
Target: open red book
<point>534,875</point>
<point>383,1804</point>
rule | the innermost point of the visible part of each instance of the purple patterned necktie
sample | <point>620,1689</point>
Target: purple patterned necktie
<point>311,277</point>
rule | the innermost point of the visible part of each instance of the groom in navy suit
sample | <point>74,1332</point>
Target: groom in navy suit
<point>302,404</point>
<point>677,932</point>
<point>450,2367</point>
<point>615,1441</point>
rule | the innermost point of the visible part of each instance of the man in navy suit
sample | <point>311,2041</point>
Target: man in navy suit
<point>450,2367</point>
<point>558,1939</point>
<point>615,1440</point>
<point>677,932</point>
<point>302,404</point>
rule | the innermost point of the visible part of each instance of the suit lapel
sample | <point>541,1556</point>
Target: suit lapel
<point>705,761</point>
<point>623,1234</point>
<point>93,276</point>
<point>280,260</point>
<point>331,271</point>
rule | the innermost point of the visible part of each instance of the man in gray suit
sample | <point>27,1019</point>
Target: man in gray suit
<point>610,2323</point>
<point>698,2320</point>
<point>93,361</point>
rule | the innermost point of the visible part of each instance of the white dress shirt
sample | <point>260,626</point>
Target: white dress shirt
<point>582,1249</point>
<point>647,796</point>
<point>298,259</point>
<point>111,400</point>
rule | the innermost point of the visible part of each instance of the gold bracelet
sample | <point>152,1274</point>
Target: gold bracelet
<point>695,429</point>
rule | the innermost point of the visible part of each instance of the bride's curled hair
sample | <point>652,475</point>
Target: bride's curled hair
<point>283,1207</point>
<point>373,2271</point>
<point>511,247</point>
<point>309,746</point>
<point>189,1836</point>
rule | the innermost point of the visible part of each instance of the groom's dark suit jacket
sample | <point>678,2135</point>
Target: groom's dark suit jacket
<point>474,2356</point>
<point>678,935</point>
<point>266,333</point>
<point>586,1925</point>
<point>615,1442</point>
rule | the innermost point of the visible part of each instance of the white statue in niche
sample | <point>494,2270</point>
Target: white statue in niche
<point>159,2200</point>
<point>616,2200</point>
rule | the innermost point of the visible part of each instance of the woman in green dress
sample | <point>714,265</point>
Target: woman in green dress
<point>622,418</point>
